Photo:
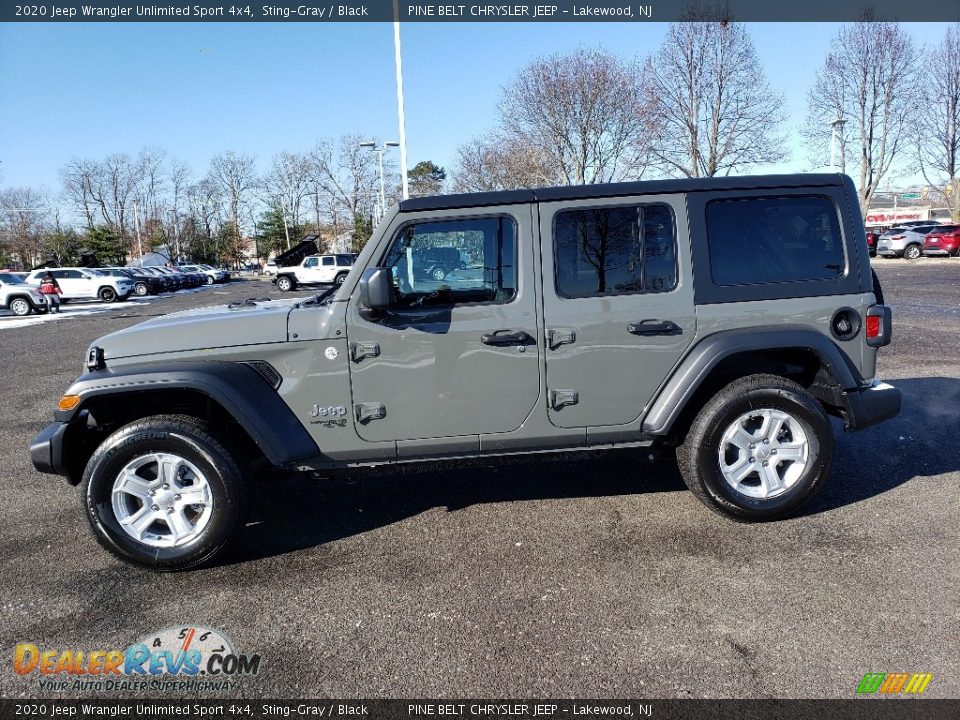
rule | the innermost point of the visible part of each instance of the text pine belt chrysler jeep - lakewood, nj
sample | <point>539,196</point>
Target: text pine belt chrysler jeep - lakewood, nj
<point>727,317</point>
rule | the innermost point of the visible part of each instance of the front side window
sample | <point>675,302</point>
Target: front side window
<point>454,262</point>
<point>615,251</point>
<point>311,262</point>
<point>754,241</point>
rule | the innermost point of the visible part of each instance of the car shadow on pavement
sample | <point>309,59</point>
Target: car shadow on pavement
<point>920,442</point>
<point>292,513</point>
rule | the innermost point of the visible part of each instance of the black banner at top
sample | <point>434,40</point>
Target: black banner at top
<point>492,11</point>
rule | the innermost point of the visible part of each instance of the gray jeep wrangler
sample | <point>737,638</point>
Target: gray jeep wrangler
<point>725,317</point>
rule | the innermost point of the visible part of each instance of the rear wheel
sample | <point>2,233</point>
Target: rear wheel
<point>285,283</point>
<point>912,252</point>
<point>20,306</point>
<point>758,450</point>
<point>107,294</point>
<point>438,273</point>
<point>338,280</point>
<point>163,492</point>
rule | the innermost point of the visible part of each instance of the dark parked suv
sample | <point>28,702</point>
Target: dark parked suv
<point>726,318</point>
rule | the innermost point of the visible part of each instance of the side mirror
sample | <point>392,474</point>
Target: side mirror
<point>376,288</point>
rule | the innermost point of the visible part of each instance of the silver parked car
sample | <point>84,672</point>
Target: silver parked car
<point>905,242</point>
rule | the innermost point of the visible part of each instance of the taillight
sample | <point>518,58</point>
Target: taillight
<point>878,325</point>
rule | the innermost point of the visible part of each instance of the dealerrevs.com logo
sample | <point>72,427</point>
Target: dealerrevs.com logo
<point>176,658</point>
<point>894,683</point>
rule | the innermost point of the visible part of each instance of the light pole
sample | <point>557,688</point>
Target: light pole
<point>835,125</point>
<point>402,124</point>
<point>380,151</point>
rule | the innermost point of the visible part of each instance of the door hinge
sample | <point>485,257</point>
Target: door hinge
<point>365,412</point>
<point>561,398</point>
<point>560,336</point>
<point>360,350</point>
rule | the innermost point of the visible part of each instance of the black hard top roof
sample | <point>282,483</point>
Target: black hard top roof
<point>641,187</point>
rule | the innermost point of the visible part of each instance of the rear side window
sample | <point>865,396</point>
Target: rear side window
<point>615,251</point>
<point>754,241</point>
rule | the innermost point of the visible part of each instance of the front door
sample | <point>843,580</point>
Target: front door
<point>618,309</point>
<point>451,357</point>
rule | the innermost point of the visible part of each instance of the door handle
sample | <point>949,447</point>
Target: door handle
<point>505,337</point>
<point>649,328</point>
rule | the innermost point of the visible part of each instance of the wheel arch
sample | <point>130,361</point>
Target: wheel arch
<point>799,353</point>
<point>232,397</point>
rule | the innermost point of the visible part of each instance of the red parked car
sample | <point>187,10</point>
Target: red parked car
<point>872,242</point>
<point>945,240</point>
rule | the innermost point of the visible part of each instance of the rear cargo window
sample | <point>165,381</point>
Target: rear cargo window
<point>765,240</point>
<point>615,251</point>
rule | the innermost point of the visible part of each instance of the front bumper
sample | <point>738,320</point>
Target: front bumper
<point>869,405</point>
<point>46,449</point>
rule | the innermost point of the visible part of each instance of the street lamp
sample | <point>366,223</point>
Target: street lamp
<point>835,126</point>
<point>380,151</point>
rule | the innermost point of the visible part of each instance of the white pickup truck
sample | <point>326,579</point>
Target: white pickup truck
<point>315,270</point>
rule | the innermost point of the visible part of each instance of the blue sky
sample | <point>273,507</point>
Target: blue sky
<point>196,89</point>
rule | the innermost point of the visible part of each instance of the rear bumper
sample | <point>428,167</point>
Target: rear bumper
<point>935,251</point>
<point>866,406</point>
<point>46,449</point>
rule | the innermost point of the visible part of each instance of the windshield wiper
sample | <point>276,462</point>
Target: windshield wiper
<point>249,302</point>
<point>319,298</point>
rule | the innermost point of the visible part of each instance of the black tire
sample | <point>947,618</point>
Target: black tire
<point>107,294</point>
<point>699,460</point>
<point>140,289</point>
<point>20,306</point>
<point>338,280</point>
<point>190,439</point>
<point>912,252</point>
<point>438,274</point>
<point>285,283</point>
<point>209,280</point>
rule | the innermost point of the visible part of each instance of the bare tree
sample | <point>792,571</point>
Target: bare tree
<point>938,125</point>
<point>582,113</point>
<point>78,177</point>
<point>234,173</point>
<point>713,110</point>
<point>499,163</point>
<point>24,216</point>
<point>868,80</point>
<point>346,179</point>
<point>289,179</point>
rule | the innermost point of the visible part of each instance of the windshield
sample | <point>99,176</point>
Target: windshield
<point>11,279</point>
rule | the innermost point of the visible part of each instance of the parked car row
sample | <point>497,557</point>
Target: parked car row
<point>19,291</point>
<point>917,238</point>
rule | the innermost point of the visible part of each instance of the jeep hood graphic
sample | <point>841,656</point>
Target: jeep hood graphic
<point>202,329</point>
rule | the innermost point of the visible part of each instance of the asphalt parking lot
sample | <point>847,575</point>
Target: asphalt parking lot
<point>560,578</point>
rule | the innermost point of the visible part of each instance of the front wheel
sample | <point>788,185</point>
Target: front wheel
<point>912,252</point>
<point>338,280</point>
<point>141,289</point>
<point>438,274</point>
<point>285,283</point>
<point>21,307</point>
<point>758,450</point>
<point>164,493</point>
<point>107,294</point>
<point>209,280</point>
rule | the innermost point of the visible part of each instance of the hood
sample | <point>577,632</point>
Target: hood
<point>201,329</point>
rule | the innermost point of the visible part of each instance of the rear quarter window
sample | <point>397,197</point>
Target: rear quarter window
<point>760,240</point>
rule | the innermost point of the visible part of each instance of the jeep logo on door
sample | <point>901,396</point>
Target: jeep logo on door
<point>330,411</point>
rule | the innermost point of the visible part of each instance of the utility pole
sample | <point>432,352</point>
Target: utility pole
<point>403,130</point>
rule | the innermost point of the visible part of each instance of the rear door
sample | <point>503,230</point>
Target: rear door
<point>618,304</point>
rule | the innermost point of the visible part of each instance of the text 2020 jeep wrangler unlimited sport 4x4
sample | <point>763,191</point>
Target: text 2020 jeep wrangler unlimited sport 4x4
<point>729,317</point>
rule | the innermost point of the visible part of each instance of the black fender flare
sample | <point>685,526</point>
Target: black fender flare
<point>240,389</point>
<point>707,353</point>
